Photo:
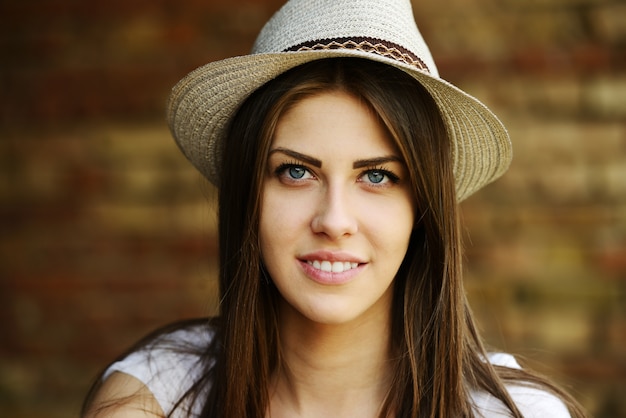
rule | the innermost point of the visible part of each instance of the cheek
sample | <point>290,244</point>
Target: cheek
<point>267,226</point>
<point>282,221</point>
<point>393,230</point>
<point>268,240</point>
<point>391,214</point>
<point>281,230</point>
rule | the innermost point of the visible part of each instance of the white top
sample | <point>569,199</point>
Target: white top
<point>169,374</point>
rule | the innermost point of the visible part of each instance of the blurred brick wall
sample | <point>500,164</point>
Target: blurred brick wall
<point>107,232</point>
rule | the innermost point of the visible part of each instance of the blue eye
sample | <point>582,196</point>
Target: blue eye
<point>376,176</point>
<point>296,172</point>
<point>379,177</point>
<point>290,172</point>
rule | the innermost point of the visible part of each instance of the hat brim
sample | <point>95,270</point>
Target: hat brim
<point>202,104</point>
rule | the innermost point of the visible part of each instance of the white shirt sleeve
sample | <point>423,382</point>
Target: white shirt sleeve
<point>532,402</point>
<point>167,373</point>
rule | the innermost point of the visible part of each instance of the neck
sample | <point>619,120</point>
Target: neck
<point>331,370</point>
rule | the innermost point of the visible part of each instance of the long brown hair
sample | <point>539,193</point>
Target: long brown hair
<point>438,355</point>
<point>438,358</point>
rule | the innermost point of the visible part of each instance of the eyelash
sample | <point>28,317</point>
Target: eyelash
<point>393,178</point>
<point>282,168</point>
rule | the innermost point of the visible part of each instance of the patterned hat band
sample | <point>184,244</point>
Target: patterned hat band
<point>203,103</point>
<point>369,45</point>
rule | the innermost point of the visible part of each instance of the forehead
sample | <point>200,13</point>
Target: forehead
<point>332,123</point>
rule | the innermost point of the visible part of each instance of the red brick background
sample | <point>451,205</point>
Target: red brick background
<point>106,231</point>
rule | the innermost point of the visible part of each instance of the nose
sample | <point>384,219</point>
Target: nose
<point>335,215</point>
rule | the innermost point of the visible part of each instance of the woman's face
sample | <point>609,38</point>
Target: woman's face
<point>336,212</point>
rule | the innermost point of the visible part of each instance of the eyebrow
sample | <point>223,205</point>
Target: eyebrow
<point>298,156</point>
<point>368,162</point>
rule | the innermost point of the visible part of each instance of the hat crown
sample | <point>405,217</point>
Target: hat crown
<point>203,103</point>
<point>305,22</point>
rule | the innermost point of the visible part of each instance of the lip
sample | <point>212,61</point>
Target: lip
<point>330,278</point>
<point>325,255</point>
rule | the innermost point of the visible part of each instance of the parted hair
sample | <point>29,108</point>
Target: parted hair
<point>437,355</point>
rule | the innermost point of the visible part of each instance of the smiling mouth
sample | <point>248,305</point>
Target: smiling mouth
<point>332,267</point>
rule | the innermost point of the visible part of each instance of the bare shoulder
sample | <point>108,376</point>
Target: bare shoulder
<point>122,395</point>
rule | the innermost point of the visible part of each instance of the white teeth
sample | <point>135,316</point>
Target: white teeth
<point>334,267</point>
<point>337,267</point>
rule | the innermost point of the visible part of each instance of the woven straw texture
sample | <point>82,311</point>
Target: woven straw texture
<point>202,103</point>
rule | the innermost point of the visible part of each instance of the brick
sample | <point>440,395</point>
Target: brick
<point>604,97</point>
<point>608,22</point>
<point>108,232</point>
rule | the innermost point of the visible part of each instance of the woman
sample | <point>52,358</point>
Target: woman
<point>340,156</point>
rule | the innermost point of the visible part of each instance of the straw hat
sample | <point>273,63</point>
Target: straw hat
<point>202,104</point>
